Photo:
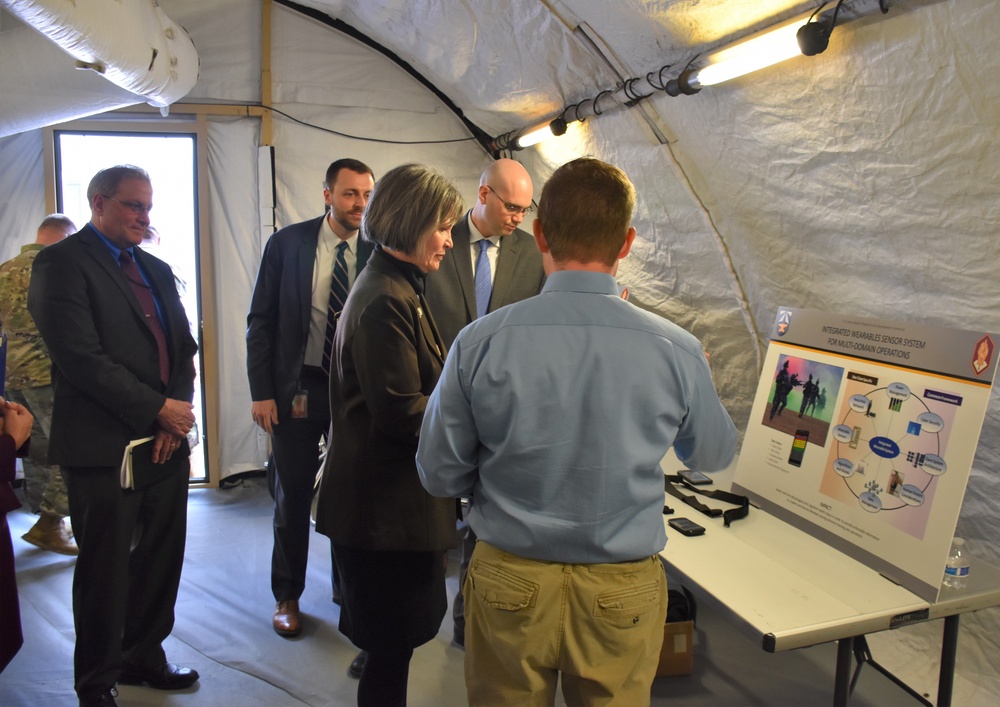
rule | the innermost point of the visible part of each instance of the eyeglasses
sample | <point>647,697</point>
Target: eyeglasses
<point>511,208</point>
<point>136,207</point>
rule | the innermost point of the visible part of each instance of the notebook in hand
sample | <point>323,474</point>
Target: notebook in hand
<point>138,469</point>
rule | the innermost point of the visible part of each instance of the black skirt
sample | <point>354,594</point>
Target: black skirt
<point>392,600</point>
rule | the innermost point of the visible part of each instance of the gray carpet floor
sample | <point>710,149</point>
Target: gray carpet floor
<point>223,629</point>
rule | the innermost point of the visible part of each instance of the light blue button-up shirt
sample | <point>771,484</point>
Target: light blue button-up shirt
<point>554,413</point>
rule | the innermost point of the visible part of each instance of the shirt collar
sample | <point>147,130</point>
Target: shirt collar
<point>475,235</point>
<point>581,281</point>
<point>115,250</point>
<point>331,240</point>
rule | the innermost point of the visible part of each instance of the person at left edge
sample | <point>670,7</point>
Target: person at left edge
<point>122,369</point>
<point>29,383</point>
<point>289,387</point>
<point>15,434</point>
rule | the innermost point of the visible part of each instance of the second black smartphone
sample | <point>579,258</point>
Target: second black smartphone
<point>685,526</point>
<point>694,477</point>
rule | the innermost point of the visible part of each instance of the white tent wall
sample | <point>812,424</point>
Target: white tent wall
<point>861,180</point>
<point>22,183</point>
<point>323,78</point>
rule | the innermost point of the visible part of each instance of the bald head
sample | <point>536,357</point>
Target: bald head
<point>54,228</point>
<point>505,193</point>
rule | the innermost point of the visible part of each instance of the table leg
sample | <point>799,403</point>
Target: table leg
<point>949,648</point>
<point>841,690</point>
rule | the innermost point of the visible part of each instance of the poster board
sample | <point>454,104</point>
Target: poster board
<point>863,432</point>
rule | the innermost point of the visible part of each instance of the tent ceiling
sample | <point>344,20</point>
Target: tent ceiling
<point>563,49</point>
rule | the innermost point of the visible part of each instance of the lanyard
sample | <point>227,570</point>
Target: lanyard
<point>671,482</point>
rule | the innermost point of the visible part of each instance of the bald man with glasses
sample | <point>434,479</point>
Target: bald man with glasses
<point>493,263</point>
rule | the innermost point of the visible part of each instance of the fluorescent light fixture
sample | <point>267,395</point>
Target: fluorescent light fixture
<point>534,136</point>
<point>793,38</point>
<point>526,137</point>
<point>756,53</point>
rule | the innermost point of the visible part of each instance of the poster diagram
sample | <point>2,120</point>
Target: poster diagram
<point>863,433</point>
<point>889,448</point>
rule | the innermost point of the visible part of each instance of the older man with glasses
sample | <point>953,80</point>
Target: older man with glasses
<point>122,370</point>
<point>493,263</point>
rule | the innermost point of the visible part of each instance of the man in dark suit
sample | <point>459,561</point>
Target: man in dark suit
<point>493,263</point>
<point>305,273</point>
<point>122,369</point>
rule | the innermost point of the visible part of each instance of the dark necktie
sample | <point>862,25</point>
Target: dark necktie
<point>484,286</point>
<point>148,304</point>
<point>338,295</point>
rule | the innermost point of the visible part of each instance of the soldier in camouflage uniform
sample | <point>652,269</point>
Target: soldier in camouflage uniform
<point>29,382</point>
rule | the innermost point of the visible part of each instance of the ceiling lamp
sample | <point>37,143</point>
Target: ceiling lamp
<point>757,52</point>
<point>520,139</point>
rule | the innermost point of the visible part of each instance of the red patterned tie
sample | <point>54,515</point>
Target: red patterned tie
<point>145,297</point>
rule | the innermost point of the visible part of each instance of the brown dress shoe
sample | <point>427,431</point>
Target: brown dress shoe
<point>287,621</point>
<point>52,533</point>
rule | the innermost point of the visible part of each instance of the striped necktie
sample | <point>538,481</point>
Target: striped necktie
<point>338,295</point>
<point>483,285</point>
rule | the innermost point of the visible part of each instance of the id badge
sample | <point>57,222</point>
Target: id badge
<point>300,404</point>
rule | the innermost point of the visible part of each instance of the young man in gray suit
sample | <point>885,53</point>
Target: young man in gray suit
<point>493,263</point>
<point>289,329</point>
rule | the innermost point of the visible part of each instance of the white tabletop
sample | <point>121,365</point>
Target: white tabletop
<point>786,589</point>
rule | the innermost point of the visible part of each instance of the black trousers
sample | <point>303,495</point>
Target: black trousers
<point>291,479</point>
<point>127,574</point>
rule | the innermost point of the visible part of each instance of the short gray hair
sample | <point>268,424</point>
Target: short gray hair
<point>407,202</point>
<point>107,180</point>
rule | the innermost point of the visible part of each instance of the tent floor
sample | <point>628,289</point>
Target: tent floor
<point>223,630</point>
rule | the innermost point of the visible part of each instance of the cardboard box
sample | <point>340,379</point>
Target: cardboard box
<point>677,654</point>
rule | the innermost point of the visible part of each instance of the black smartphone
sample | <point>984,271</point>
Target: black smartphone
<point>798,447</point>
<point>685,526</point>
<point>694,477</point>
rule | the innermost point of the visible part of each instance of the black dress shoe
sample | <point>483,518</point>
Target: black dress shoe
<point>165,677</point>
<point>357,665</point>
<point>105,699</point>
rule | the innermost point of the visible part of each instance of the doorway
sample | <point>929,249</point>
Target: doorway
<point>170,159</point>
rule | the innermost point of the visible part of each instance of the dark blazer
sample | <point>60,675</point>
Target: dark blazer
<point>11,635</point>
<point>280,311</point>
<point>389,356</point>
<point>105,370</point>
<point>451,291</point>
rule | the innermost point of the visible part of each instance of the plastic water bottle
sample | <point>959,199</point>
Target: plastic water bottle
<point>956,571</point>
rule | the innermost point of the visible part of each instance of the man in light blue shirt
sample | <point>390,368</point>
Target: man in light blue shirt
<point>553,414</point>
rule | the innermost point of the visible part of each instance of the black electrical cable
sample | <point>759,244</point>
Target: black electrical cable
<point>358,137</point>
<point>633,95</point>
<point>836,11</point>
<point>659,84</point>
<point>481,136</point>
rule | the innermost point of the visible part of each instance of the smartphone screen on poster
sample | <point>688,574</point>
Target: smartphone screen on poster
<point>798,447</point>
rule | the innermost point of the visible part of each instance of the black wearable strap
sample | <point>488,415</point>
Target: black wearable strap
<point>671,482</point>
